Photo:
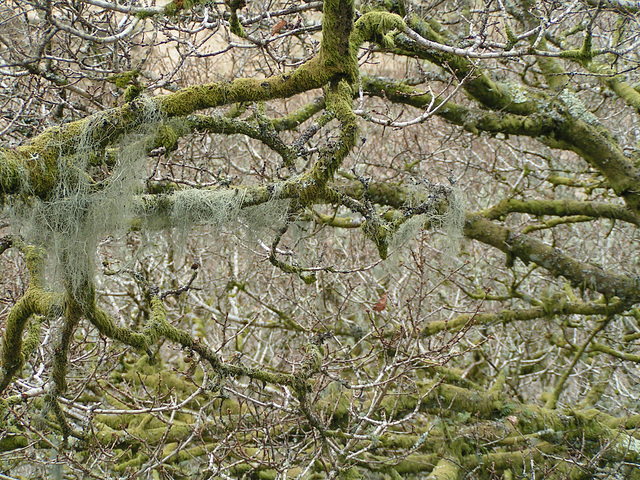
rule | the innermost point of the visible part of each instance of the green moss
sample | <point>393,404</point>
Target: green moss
<point>13,442</point>
<point>473,120</point>
<point>169,134</point>
<point>34,301</point>
<point>507,409</point>
<point>379,233</point>
<point>132,92</point>
<point>132,464</point>
<point>586,53</point>
<point>176,6</point>
<point>60,361</point>
<point>339,99</point>
<point>376,27</point>
<point>32,342</point>
<point>12,172</point>
<point>511,37</point>
<point>446,469</point>
<point>299,116</point>
<point>478,83</point>
<point>415,464</point>
<point>30,169</point>
<point>235,26</point>
<point>309,76</point>
<point>144,14</point>
<point>122,80</point>
<point>107,327</point>
<point>553,71</point>
<point>352,473</point>
<point>625,91</point>
<point>335,51</point>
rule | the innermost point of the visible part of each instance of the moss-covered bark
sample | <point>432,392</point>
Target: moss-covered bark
<point>562,208</point>
<point>477,83</point>
<point>36,301</point>
<point>492,432</point>
<point>528,249</point>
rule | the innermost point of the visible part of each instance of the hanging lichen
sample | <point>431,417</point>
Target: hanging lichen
<point>266,217</point>
<point>209,207</point>
<point>450,223</point>
<point>93,196</point>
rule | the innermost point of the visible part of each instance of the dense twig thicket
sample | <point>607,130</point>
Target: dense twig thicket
<point>317,240</point>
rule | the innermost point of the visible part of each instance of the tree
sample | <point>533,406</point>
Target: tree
<point>382,239</point>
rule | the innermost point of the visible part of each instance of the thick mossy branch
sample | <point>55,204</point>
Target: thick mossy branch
<point>338,222</point>
<point>387,194</point>
<point>35,301</point>
<point>553,71</point>
<point>32,341</point>
<point>234,21</point>
<point>505,317</point>
<point>376,27</point>
<point>446,469</point>
<point>173,8</point>
<point>339,99</point>
<point>124,79</point>
<point>25,167</point>
<point>294,119</point>
<point>12,355</point>
<point>72,317</point>
<point>570,128</point>
<point>478,84</point>
<point>562,208</point>
<point>625,91</point>
<point>473,120</point>
<point>157,210</point>
<point>627,357</point>
<point>106,325</point>
<point>263,131</point>
<point>335,48</point>
<point>379,232</point>
<point>528,249</point>
<point>597,147</point>
<point>35,169</point>
<point>309,76</point>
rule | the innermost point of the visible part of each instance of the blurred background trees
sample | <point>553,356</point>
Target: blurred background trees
<point>319,239</point>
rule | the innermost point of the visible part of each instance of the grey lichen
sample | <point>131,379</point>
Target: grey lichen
<point>577,108</point>
<point>92,195</point>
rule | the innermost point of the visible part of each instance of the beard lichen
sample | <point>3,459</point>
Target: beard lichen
<point>450,222</point>
<point>266,217</point>
<point>222,207</point>
<point>92,197</point>
<point>205,206</point>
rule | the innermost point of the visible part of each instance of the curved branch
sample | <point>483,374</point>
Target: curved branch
<point>527,249</point>
<point>562,208</point>
<point>94,38</point>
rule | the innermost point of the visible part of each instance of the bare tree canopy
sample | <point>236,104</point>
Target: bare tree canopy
<point>355,239</point>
